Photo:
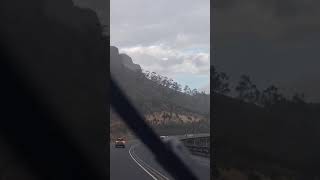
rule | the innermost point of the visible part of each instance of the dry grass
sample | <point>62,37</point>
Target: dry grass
<point>164,117</point>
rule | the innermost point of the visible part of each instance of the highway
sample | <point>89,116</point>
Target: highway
<point>137,162</point>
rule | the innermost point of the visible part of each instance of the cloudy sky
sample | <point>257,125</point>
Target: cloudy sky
<point>272,41</point>
<point>169,37</point>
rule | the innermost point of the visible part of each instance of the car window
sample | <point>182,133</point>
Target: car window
<point>172,107</point>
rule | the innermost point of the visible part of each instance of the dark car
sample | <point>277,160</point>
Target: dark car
<point>120,142</point>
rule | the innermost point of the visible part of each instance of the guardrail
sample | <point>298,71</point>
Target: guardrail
<point>198,144</point>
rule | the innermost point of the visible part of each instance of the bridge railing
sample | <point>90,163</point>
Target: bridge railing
<point>198,145</point>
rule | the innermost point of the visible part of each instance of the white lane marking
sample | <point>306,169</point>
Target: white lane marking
<point>140,164</point>
<point>151,168</point>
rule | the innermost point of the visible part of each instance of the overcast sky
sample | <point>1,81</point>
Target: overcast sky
<point>169,37</point>
<point>272,41</point>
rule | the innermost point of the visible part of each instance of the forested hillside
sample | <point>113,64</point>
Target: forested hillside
<point>264,133</point>
<point>159,98</point>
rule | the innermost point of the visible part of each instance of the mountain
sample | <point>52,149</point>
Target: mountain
<point>128,63</point>
<point>119,61</point>
<point>158,99</point>
<point>136,85</point>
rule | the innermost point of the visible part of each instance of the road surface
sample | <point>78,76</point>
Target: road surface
<point>136,162</point>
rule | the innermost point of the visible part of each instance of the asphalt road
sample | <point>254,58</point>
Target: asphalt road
<point>136,162</point>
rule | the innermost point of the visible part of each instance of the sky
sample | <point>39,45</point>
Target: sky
<point>273,41</point>
<point>171,38</point>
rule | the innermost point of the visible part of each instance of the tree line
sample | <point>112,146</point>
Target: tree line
<point>171,84</point>
<point>247,91</point>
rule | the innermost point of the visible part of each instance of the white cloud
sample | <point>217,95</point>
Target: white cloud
<point>167,61</point>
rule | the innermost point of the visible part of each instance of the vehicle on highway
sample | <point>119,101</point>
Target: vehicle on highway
<point>163,137</point>
<point>120,142</point>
